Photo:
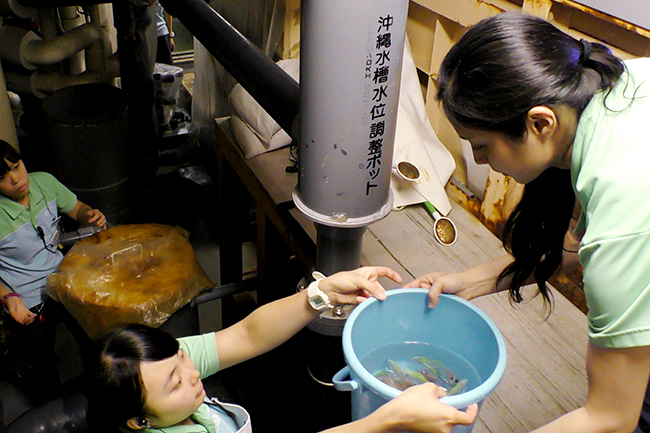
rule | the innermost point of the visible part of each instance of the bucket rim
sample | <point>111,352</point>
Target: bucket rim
<point>459,401</point>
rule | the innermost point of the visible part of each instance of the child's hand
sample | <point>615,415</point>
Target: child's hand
<point>19,311</point>
<point>95,217</point>
<point>353,287</point>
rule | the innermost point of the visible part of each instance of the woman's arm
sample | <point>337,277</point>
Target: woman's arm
<point>468,284</point>
<point>272,324</point>
<point>85,215</point>
<point>618,379</point>
<point>417,409</point>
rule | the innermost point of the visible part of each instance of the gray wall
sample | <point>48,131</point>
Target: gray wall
<point>633,11</point>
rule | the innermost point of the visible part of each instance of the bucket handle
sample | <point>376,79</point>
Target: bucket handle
<point>344,385</point>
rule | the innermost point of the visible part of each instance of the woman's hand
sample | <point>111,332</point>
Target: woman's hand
<point>441,282</point>
<point>354,287</point>
<point>19,311</point>
<point>419,409</point>
<point>468,284</point>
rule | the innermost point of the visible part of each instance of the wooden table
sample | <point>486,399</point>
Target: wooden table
<point>545,375</point>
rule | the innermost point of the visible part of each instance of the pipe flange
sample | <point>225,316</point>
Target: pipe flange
<point>341,220</point>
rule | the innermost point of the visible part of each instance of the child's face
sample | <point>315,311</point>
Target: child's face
<point>14,184</point>
<point>173,389</point>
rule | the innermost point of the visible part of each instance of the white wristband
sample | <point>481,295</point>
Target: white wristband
<point>316,297</point>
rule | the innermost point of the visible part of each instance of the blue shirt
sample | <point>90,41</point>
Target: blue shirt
<point>26,257</point>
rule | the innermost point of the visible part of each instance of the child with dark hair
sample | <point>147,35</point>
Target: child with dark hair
<point>29,238</point>
<point>569,120</point>
<point>150,382</point>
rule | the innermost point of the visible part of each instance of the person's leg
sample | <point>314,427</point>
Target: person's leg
<point>32,347</point>
<point>164,51</point>
<point>84,343</point>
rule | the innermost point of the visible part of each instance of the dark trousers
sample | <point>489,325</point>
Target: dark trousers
<point>32,351</point>
<point>164,50</point>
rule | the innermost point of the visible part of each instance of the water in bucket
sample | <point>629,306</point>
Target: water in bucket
<point>403,353</point>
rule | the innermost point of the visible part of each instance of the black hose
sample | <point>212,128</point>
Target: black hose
<point>275,90</point>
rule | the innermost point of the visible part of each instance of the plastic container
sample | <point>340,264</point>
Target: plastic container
<point>167,81</point>
<point>88,133</point>
<point>454,326</point>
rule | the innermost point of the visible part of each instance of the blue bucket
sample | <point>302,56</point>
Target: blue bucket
<point>464,338</point>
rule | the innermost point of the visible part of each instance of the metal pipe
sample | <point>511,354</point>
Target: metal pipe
<point>349,76</point>
<point>15,8</point>
<point>267,83</point>
<point>25,48</point>
<point>71,18</point>
<point>7,125</point>
<point>338,249</point>
<point>349,82</point>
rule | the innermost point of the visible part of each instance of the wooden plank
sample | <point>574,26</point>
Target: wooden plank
<point>420,28</point>
<point>539,8</point>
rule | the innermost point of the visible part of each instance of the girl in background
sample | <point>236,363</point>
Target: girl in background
<point>30,205</point>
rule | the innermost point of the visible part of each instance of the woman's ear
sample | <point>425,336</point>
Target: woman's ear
<point>137,423</point>
<point>541,120</point>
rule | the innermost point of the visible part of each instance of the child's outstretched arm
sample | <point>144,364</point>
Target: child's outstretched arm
<point>271,325</point>
<point>85,215</point>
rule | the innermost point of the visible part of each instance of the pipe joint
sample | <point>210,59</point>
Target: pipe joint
<point>35,52</point>
<point>340,219</point>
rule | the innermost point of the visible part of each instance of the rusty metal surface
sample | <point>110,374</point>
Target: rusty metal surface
<point>605,17</point>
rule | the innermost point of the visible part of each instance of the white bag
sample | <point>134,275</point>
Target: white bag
<point>238,414</point>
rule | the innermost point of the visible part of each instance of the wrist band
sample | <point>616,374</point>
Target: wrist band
<point>4,299</point>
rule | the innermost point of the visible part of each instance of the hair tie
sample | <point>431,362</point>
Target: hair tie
<point>586,51</point>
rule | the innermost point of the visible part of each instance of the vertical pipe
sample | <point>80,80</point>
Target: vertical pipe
<point>71,18</point>
<point>7,125</point>
<point>338,249</point>
<point>350,69</point>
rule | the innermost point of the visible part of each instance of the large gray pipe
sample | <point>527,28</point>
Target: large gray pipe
<point>350,69</point>
<point>351,61</point>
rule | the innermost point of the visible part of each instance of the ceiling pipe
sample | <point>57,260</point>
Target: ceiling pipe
<point>266,82</point>
<point>30,51</point>
<point>59,3</point>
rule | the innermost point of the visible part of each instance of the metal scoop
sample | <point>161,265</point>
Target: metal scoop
<point>444,229</point>
<point>407,171</point>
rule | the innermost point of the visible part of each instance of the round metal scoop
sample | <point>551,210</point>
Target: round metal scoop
<point>444,229</point>
<point>407,171</point>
